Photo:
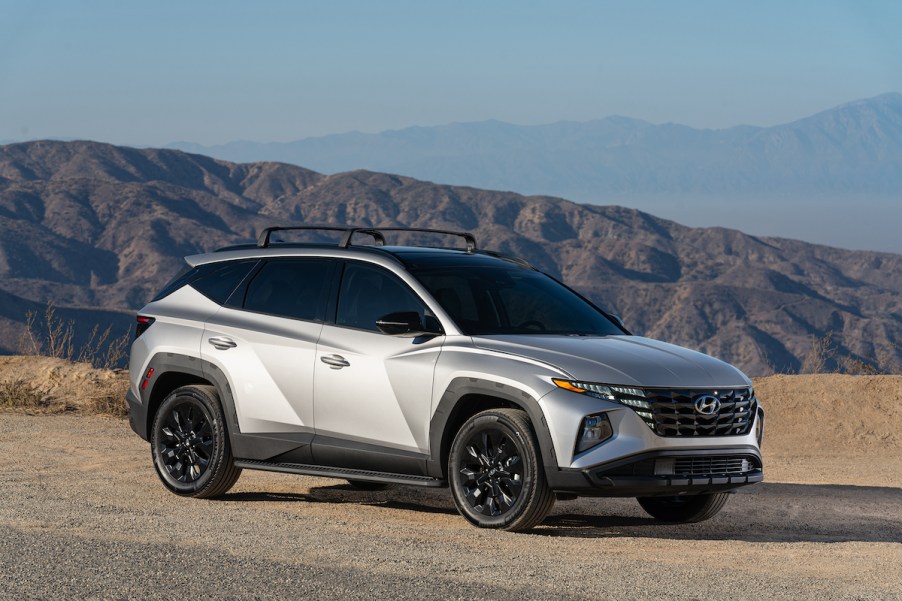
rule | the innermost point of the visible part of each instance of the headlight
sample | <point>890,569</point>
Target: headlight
<point>594,430</point>
<point>634,398</point>
<point>596,390</point>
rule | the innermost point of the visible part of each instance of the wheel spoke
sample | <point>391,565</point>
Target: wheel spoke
<point>487,445</point>
<point>469,474</point>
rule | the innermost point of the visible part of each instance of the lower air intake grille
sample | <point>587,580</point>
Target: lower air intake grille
<point>705,466</point>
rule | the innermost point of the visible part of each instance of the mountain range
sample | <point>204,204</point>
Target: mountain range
<point>99,228</point>
<point>833,177</point>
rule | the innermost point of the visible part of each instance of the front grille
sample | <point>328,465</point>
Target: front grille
<point>698,466</point>
<point>671,412</point>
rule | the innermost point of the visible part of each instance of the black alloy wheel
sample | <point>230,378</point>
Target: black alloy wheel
<point>496,473</point>
<point>189,444</point>
<point>492,472</point>
<point>186,441</point>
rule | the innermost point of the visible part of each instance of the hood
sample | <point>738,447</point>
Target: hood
<point>624,360</point>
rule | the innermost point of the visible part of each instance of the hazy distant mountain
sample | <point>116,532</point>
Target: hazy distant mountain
<point>95,226</point>
<point>848,154</point>
<point>853,148</point>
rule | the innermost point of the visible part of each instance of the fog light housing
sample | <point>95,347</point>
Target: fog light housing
<point>594,430</point>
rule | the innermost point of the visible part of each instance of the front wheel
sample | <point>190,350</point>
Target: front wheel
<point>496,474</point>
<point>684,509</point>
<point>190,446</point>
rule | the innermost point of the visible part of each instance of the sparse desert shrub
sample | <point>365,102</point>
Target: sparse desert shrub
<point>20,393</point>
<point>851,365</point>
<point>53,336</point>
<point>109,401</point>
<point>820,355</point>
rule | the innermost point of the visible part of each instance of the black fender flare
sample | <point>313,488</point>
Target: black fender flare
<point>168,363</point>
<point>447,408</point>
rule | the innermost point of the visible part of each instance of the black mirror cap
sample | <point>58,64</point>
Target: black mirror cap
<point>402,323</point>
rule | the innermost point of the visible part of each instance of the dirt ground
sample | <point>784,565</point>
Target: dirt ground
<point>82,515</point>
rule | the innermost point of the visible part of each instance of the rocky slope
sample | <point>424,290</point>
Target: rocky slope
<point>102,227</point>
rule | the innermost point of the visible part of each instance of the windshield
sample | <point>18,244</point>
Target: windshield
<point>485,300</point>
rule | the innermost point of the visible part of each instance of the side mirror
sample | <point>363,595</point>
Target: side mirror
<point>616,319</point>
<point>403,323</point>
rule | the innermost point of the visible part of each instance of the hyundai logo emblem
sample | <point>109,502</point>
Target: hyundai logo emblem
<point>707,404</point>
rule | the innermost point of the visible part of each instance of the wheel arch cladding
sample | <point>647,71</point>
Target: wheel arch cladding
<point>466,397</point>
<point>177,370</point>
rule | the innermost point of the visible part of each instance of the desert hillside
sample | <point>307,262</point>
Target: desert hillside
<point>98,229</point>
<point>820,429</point>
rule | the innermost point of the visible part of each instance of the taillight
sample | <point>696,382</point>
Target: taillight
<point>142,324</point>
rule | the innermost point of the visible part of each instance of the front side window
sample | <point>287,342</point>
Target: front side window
<point>368,293</point>
<point>293,288</point>
<point>484,300</point>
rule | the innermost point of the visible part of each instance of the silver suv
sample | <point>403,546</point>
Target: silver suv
<point>429,367</point>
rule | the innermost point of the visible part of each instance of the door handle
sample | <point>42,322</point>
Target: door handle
<point>335,361</point>
<point>222,343</point>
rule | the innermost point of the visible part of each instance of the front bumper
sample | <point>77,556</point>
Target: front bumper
<point>663,473</point>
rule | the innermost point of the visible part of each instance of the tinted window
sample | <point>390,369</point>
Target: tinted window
<point>184,275</point>
<point>294,288</point>
<point>511,300</point>
<point>368,293</point>
<point>219,283</point>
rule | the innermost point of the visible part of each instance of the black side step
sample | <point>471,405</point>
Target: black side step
<point>339,472</point>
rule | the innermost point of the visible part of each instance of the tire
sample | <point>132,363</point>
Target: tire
<point>684,509</point>
<point>496,474</point>
<point>364,485</point>
<point>190,446</point>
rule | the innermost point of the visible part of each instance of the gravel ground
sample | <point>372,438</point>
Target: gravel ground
<point>82,515</point>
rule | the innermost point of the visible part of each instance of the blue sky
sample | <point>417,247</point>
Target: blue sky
<point>209,72</point>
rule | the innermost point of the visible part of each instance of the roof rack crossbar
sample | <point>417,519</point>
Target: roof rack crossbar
<point>264,239</point>
<point>376,231</point>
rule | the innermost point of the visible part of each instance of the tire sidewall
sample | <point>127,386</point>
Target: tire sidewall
<point>212,413</point>
<point>478,423</point>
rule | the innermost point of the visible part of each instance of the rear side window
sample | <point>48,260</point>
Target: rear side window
<point>293,288</point>
<point>219,283</point>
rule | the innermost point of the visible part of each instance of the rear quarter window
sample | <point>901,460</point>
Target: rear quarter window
<point>218,284</point>
<point>216,281</point>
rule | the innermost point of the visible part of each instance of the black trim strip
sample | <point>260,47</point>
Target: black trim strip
<point>341,473</point>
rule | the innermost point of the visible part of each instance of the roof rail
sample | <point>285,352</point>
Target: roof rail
<point>506,257</point>
<point>376,232</point>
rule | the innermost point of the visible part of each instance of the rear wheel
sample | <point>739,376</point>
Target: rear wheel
<point>496,474</point>
<point>684,509</point>
<point>190,446</point>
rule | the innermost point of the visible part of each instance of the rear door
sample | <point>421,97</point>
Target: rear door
<point>265,340</point>
<point>372,392</point>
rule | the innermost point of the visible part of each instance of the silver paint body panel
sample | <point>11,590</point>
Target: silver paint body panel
<point>391,387</point>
